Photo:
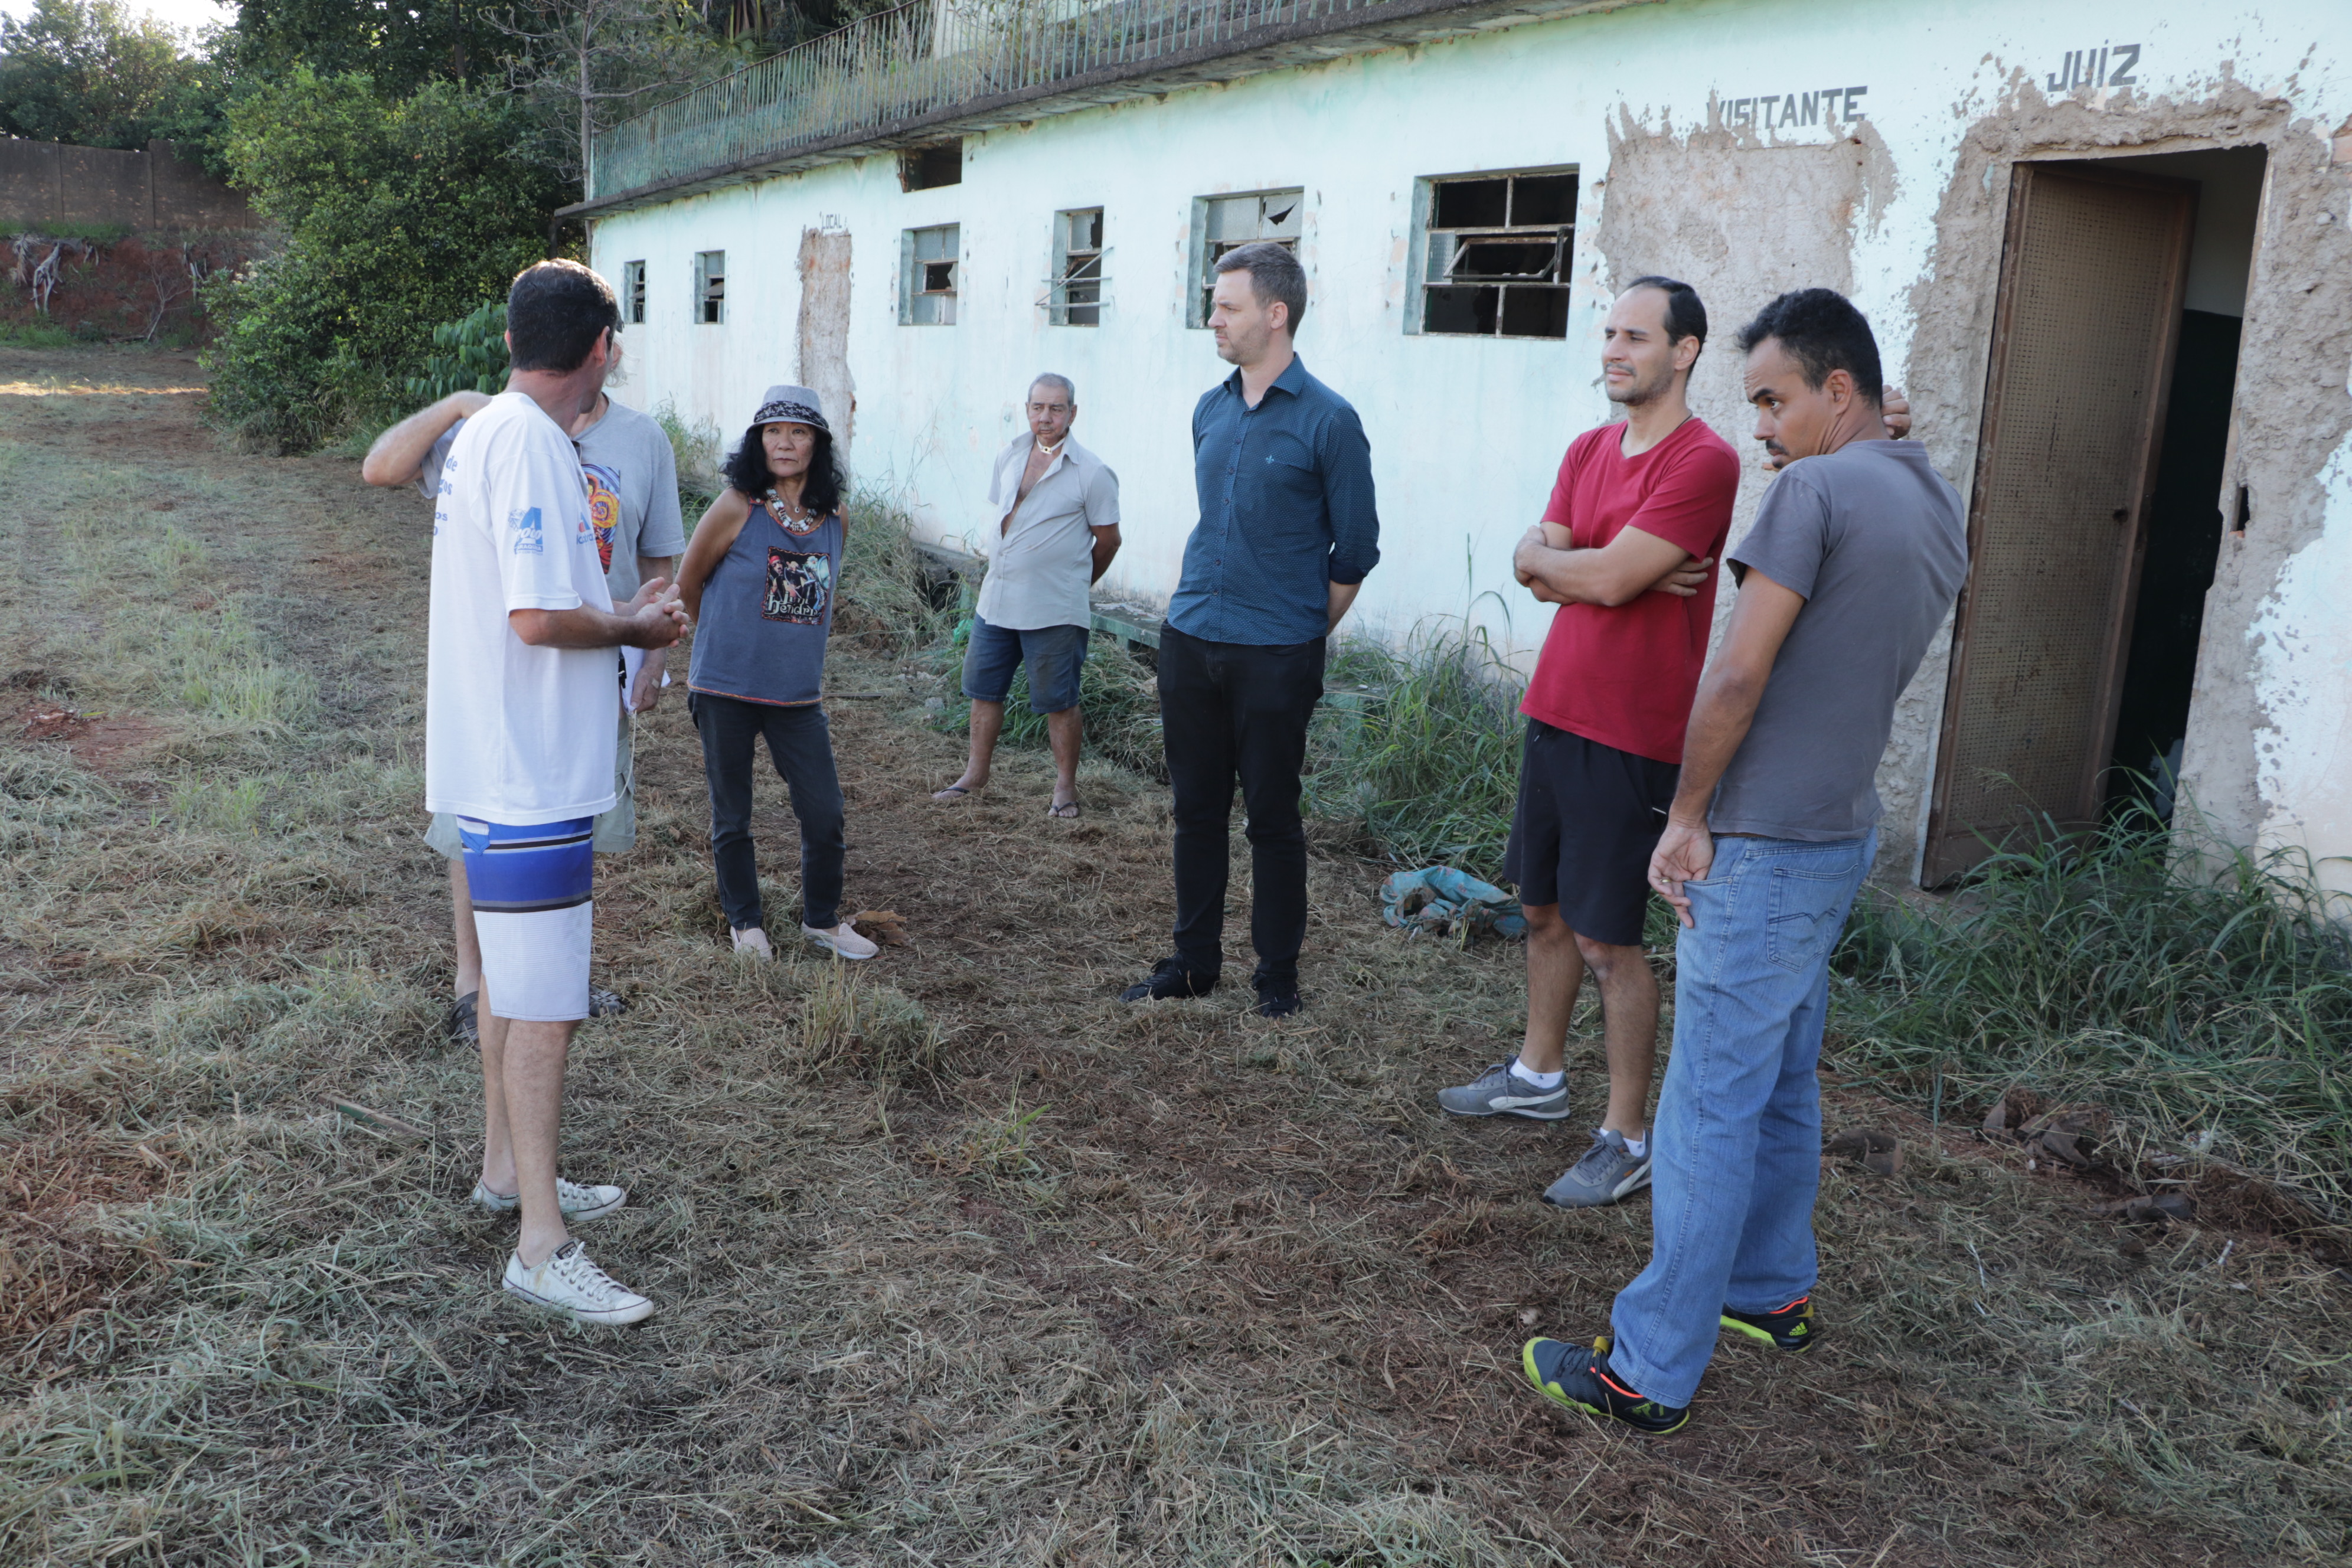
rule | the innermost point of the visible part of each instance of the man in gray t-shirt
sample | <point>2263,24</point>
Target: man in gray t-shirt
<point>1853,562</point>
<point>630,472</point>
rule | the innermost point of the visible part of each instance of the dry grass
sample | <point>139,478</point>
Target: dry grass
<point>960,1261</point>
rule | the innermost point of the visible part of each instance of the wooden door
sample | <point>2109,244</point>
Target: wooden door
<point>2084,331</point>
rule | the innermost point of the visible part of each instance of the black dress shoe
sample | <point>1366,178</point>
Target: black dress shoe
<point>1169,978</point>
<point>1278,998</point>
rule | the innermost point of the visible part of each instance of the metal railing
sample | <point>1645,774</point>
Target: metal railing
<point>918,59</point>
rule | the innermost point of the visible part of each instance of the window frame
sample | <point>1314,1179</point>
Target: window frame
<point>1419,252</point>
<point>933,167</point>
<point>633,293</point>
<point>913,275</point>
<point>1201,271</point>
<point>710,303</point>
<point>1076,271</point>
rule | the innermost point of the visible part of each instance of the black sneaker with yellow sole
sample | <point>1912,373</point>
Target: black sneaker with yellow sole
<point>1580,1379</point>
<point>1791,1328</point>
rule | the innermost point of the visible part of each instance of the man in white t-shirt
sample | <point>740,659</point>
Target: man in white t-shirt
<point>519,746</point>
<point>633,503</point>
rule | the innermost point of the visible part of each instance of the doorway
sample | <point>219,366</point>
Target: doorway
<point>2096,516</point>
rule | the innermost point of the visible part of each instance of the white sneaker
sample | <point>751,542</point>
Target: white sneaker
<point>842,942</point>
<point>752,943</point>
<point>567,1282</point>
<point>576,1202</point>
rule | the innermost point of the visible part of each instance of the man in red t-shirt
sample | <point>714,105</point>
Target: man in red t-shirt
<point>1627,550</point>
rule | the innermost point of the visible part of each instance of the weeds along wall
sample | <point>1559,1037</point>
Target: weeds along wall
<point>104,285</point>
<point>1662,112</point>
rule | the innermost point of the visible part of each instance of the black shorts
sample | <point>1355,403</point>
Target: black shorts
<point>1587,818</point>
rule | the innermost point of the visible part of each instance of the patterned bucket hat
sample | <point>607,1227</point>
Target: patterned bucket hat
<point>791,405</point>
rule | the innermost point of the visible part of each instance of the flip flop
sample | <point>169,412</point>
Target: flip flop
<point>954,792</point>
<point>1068,811</point>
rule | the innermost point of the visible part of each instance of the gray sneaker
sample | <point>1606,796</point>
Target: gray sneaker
<point>1606,1174</point>
<point>1498,1092</point>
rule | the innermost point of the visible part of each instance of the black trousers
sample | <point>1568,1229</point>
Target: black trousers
<point>800,744</point>
<point>1238,711</point>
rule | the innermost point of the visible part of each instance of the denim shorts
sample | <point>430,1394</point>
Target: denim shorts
<point>1053,654</point>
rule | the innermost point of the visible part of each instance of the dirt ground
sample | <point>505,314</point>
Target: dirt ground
<point>960,1261</point>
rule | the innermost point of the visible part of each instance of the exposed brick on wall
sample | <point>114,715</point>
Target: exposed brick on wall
<point>49,183</point>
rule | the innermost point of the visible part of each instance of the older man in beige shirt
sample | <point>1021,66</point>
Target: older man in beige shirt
<point>1056,511</point>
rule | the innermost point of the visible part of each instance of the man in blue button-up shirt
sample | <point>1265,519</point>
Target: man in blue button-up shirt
<point>1287,530</point>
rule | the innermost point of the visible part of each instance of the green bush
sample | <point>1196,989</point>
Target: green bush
<point>398,213</point>
<point>473,356</point>
<point>695,447</point>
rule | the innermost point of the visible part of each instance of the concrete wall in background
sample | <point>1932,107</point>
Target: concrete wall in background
<point>50,185</point>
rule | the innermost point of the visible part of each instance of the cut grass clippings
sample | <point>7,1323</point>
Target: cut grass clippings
<point>958,1261</point>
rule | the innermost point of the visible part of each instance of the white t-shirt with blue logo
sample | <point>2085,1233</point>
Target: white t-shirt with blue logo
<point>513,733</point>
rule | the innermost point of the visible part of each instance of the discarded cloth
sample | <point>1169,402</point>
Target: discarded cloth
<point>1438,900</point>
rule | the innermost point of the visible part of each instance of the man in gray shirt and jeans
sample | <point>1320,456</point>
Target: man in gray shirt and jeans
<point>630,472</point>
<point>1854,559</point>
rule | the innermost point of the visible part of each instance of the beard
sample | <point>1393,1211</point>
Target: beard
<point>1641,391</point>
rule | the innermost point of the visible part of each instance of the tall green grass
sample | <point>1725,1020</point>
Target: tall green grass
<point>1420,744</point>
<point>2200,993</point>
<point>695,445</point>
<point>886,594</point>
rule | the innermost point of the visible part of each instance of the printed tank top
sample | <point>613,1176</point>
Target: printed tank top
<point>767,610</point>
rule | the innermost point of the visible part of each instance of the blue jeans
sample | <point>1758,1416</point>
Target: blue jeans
<point>1738,1145</point>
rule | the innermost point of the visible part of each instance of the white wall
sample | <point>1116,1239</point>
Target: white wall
<point>1465,433</point>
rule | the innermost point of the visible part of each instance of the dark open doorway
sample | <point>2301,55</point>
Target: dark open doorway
<point>2094,521</point>
<point>2186,516</point>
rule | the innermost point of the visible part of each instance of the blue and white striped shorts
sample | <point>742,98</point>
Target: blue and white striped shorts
<point>534,913</point>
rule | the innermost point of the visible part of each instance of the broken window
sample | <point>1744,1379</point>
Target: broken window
<point>1074,295</point>
<point>1228,222</point>
<point>710,286</point>
<point>1497,249</point>
<point>929,260</point>
<point>633,293</point>
<point>927,168</point>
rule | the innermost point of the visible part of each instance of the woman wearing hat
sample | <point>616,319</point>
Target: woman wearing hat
<point>759,578</point>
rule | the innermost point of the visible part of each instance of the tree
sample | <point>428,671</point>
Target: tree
<point>398,213</point>
<point>586,64</point>
<point>91,73</point>
<point>400,47</point>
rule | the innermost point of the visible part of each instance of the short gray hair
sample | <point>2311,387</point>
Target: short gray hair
<point>1274,274</point>
<point>1069,388</point>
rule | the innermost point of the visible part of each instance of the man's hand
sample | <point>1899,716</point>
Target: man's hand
<point>1336,608</point>
<point>1686,853</point>
<point>1523,559</point>
<point>1896,409</point>
<point>647,692</point>
<point>1685,579</point>
<point>656,616</point>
